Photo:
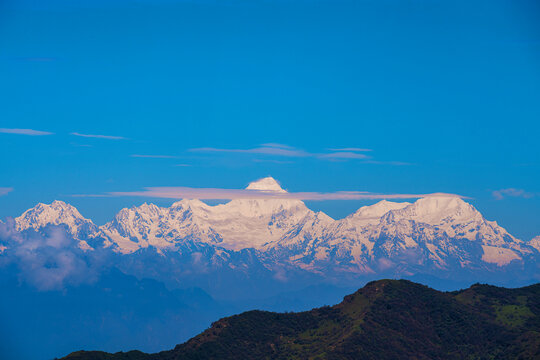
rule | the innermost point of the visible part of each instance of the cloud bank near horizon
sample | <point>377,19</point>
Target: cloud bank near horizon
<point>50,259</point>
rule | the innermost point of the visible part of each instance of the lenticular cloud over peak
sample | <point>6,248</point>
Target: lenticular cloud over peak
<point>265,188</point>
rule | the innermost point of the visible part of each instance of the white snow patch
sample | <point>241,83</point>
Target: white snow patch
<point>498,255</point>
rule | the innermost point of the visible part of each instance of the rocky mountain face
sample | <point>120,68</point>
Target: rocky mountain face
<point>436,234</point>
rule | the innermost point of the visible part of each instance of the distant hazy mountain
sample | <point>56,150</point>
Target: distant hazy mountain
<point>387,319</point>
<point>283,239</point>
<point>115,312</point>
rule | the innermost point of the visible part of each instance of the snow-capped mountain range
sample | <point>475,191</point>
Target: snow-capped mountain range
<point>436,232</point>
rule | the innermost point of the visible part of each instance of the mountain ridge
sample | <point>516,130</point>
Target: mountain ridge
<point>438,233</point>
<point>386,319</point>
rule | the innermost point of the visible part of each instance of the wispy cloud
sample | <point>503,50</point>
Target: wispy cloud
<point>30,132</point>
<point>5,190</point>
<point>282,150</point>
<point>263,150</point>
<point>512,192</point>
<point>90,195</point>
<point>344,155</point>
<point>179,192</point>
<point>107,137</point>
<point>154,156</point>
<point>278,145</point>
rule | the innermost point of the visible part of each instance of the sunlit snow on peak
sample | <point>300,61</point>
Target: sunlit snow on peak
<point>266,184</point>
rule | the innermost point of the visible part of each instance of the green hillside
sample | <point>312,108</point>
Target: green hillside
<point>387,319</point>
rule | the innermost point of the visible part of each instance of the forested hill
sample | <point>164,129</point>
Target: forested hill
<point>387,319</point>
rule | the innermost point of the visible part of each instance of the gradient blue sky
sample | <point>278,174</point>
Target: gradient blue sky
<point>446,94</point>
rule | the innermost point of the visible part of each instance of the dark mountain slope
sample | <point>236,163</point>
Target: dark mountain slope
<point>386,319</point>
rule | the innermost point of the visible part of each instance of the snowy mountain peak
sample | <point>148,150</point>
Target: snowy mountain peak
<point>438,202</point>
<point>137,210</point>
<point>56,205</point>
<point>56,213</point>
<point>266,184</point>
<point>61,204</point>
<point>535,242</point>
<point>379,209</point>
<point>436,209</point>
<point>189,203</point>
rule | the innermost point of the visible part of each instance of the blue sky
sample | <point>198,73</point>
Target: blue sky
<point>445,94</point>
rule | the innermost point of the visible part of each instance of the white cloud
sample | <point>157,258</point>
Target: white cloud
<point>344,155</point>
<point>5,190</point>
<point>278,145</point>
<point>511,192</point>
<point>282,150</point>
<point>264,150</point>
<point>180,192</point>
<point>107,137</point>
<point>30,132</point>
<point>49,259</point>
